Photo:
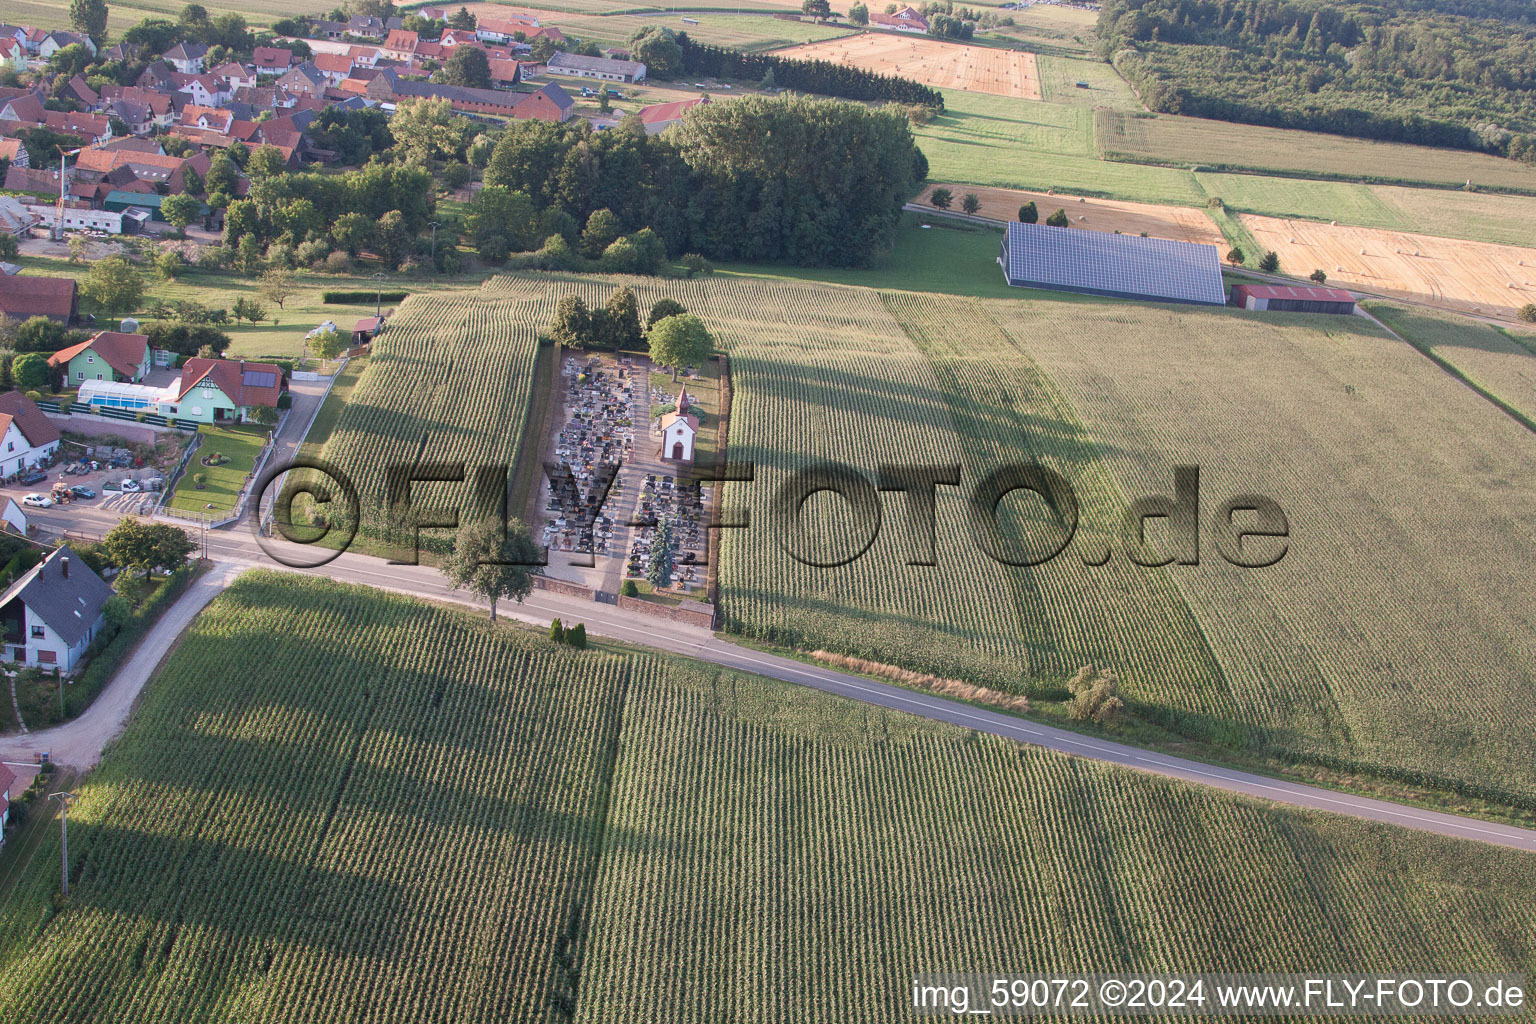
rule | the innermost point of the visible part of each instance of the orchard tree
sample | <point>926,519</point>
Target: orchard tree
<point>276,285</point>
<point>1028,214</point>
<point>971,203</point>
<point>1235,256</point>
<point>492,562</point>
<point>114,285</point>
<point>679,341</point>
<point>941,198</point>
<point>1318,276</point>
<point>328,343</point>
<point>858,14</point>
<point>1058,219</point>
<point>1528,313</point>
<point>818,9</point>
<point>180,210</point>
<point>248,309</point>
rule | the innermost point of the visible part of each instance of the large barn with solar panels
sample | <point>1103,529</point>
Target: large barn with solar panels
<point>1124,266</point>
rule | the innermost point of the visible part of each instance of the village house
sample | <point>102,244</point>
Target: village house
<point>187,57</point>
<point>14,154</point>
<point>904,20</point>
<point>53,613</point>
<point>106,355</point>
<point>270,60</point>
<point>27,437</point>
<point>53,42</point>
<point>224,390</point>
<point>303,80</point>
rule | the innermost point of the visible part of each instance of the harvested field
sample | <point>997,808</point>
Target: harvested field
<point>1478,277</point>
<point>1181,223</point>
<point>941,65</point>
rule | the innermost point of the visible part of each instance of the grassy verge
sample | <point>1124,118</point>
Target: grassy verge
<point>22,841</point>
<point>1136,731</point>
<point>524,487</point>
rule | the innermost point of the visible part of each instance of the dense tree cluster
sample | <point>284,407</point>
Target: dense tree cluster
<point>789,179</point>
<point>818,76</point>
<point>1457,73</point>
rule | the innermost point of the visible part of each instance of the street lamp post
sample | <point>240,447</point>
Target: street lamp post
<point>64,799</point>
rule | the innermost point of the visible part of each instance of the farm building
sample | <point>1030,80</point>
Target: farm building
<point>1285,298</point>
<point>53,613</point>
<point>1098,263</point>
<point>601,68</point>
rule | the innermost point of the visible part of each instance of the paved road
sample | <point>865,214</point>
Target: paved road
<point>237,549</point>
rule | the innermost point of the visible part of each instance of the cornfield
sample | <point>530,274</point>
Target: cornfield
<point>1393,638</point>
<point>438,820</point>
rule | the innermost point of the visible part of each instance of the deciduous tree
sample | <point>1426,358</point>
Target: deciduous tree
<point>492,563</point>
<point>679,341</point>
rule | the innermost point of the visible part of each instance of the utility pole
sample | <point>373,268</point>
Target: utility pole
<point>378,300</point>
<point>64,799</point>
<point>434,247</point>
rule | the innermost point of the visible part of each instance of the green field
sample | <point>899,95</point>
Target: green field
<point>448,381</point>
<point>443,821</point>
<point>240,446</point>
<point>1220,145</point>
<point>1010,143</point>
<point>1500,362</point>
<point>739,31</point>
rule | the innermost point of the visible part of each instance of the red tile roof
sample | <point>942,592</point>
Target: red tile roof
<point>231,375</point>
<point>271,58</point>
<point>23,297</point>
<point>1308,293</point>
<point>123,352</point>
<point>17,408</point>
<point>663,112</point>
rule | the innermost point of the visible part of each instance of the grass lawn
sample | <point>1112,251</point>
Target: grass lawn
<point>241,445</point>
<point>952,258</point>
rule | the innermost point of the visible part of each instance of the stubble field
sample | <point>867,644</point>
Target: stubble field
<point>942,65</point>
<point>1180,223</point>
<point>441,821</point>
<point>1469,276</point>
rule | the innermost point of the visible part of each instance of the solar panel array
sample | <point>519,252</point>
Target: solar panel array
<point>259,379</point>
<point>1075,259</point>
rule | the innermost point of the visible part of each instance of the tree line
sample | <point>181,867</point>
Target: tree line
<point>818,76</point>
<point>1406,73</point>
<point>786,179</point>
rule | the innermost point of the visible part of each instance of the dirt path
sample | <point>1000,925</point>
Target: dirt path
<point>79,743</point>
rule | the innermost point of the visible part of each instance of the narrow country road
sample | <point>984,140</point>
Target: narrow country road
<point>78,743</point>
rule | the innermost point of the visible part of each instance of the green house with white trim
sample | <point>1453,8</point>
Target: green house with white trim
<point>224,391</point>
<point>106,356</point>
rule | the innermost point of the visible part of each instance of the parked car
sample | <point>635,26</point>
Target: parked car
<point>615,94</point>
<point>33,476</point>
<point>81,491</point>
<point>129,485</point>
<point>37,500</point>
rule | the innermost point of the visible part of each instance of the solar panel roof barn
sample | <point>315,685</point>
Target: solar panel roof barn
<point>1099,263</point>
